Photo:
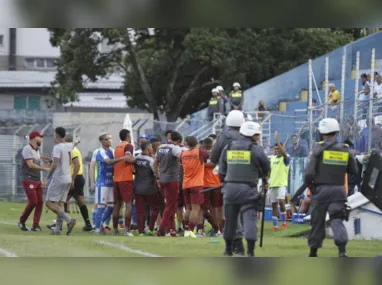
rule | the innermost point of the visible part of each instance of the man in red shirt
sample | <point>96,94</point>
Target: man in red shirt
<point>31,179</point>
<point>193,161</point>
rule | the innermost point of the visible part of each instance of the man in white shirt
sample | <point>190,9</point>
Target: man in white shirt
<point>378,87</point>
<point>61,180</point>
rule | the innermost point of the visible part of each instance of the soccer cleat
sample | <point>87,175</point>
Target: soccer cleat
<point>141,235</point>
<point>180,231</point>
<point>342,254</point>
<point>200,235</point>
<point>22,226</point>
<point>87,228</point>
<point>51,227</point>
<point>284,227</point>
<point>53,233</point>
<point>158,233</point>
<point>190,234</point>
<point>128,234</point>
<point>71,226</point>
<point>149,233</point>
<point>99,232</point>
<point>36,229</point>
<point>107,229</point>
<point>172,233</point>
<point>275,229</point>
<point>211,233</point>
<point>116,232</point>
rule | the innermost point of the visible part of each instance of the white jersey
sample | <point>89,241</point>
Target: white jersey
<point>63,152</point>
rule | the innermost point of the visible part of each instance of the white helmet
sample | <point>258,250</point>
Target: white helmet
<point>220,88</point>
<point>235,118</point>
<point>249,129</point>
<point>236,84</point>
<point>328,125</point>
<point>215,90</point>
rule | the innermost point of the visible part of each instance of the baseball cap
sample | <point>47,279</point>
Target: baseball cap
<point>35,134</point>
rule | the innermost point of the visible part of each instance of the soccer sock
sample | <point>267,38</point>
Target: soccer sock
<point>59,222</point>
<point>64,216</point>
<point>186,226</point>
<point>107,215</point>
<point>200,227</point>
<point>283,217</point>
<point>191,226</point>
<point>99,213</point>
<point>120,220</point>
<point>275,221</point>
<point>85,214</point>
<point>94,214</point>
<point>107,222</point>
<point>222,223</point>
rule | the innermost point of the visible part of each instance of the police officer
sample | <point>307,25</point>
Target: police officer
<point>215,105</point>
<point>243,163</point>
<point>325,174</point>
<point>236,97</point>
<point>234,121</point>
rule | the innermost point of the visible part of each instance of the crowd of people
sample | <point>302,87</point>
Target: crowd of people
<point>179,179</point>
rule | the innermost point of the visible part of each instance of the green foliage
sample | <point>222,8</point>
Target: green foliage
<point>173,70</point>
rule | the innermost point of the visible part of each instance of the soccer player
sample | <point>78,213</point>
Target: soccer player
<point>78,182</point>
<point>216,196</point>
<point>104,185</point>
<point>61,182</point>
<point>146,189</point>
<point>167,168</point>
<point>181,205</point>
<point>123,181</point>
<point>193,161</point>
<point>280,163</point>
<point>30,176</point>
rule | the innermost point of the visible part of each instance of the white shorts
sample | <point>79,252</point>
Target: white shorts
<point>277,193</point>
<point>104,195</point>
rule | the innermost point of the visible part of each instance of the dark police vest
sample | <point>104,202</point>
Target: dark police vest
<point>240,165</point>
<point>332,164</point>
<point>236,97</point>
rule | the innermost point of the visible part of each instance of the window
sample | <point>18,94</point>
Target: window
<point>27,103</point>
<point>39,63</point>
<point>1,40</point>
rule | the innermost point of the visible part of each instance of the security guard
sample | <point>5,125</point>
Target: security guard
<point>215,105</point>
<point>234,121</point>
<point>325,174</point>
<point>236,97</point>
<point>243,163</point>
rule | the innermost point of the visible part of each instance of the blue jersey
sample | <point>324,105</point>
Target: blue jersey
<point>105,171</point>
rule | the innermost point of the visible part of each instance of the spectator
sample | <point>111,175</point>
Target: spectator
<point>334,96</point>
<point>216,105</point>
<point>365,82</point>
<point>261,108</point>
<point>316,110</point>
<point>266,147</point>
<point>378,87</point>
<point>296,149</point>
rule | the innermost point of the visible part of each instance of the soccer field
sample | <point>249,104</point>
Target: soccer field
<point>84,244</point>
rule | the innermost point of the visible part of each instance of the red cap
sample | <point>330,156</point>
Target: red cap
<point>35,134</point>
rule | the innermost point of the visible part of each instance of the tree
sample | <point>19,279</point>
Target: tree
<point>173,70</point>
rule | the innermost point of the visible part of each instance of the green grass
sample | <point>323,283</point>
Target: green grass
<point>82,244</point>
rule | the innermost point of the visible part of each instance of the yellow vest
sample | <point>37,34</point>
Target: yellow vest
<point>213,101</point>
<point>237,94</point>
<point>279,172</point>
<point>76,154</point>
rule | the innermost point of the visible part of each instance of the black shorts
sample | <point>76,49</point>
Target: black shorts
<point>78,190</point>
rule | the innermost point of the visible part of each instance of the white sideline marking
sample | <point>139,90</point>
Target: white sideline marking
<point>7,253</point>
<point>8,223</point>
<point>127,249</point>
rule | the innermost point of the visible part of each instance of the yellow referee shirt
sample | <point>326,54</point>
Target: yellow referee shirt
<point>76,154</point>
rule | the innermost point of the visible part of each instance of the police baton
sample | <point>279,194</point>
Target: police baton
<point>264,193</point>
<point>211,189</point>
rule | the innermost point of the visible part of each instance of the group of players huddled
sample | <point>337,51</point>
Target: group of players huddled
<point>164,180</point>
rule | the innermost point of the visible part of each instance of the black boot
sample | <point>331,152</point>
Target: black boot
<point>250,248</point>
<point>313,252</point>
<point>238,247</point>
<point>342,251</point>
<point>228,248</point>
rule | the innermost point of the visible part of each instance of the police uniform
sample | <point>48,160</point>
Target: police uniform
<point>236,99</point>
<point>242,163</point>
<point>221,142</point>
<point>326,171</point>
